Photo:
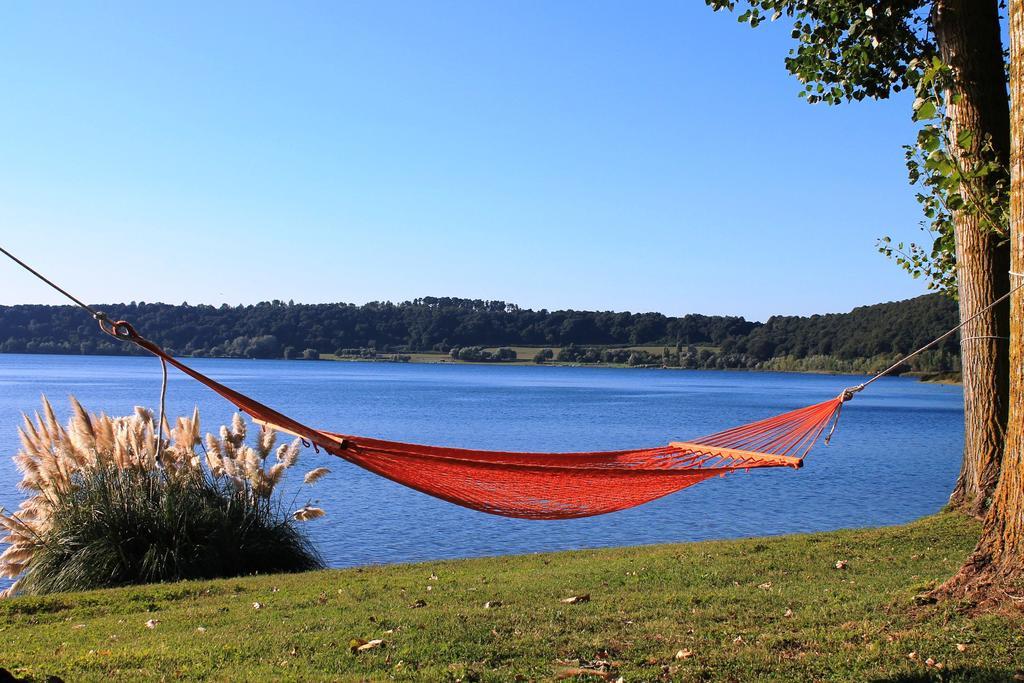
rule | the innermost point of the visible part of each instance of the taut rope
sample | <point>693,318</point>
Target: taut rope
<point>848,393</point>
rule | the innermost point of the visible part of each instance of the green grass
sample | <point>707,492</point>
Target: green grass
<point>725,602</point>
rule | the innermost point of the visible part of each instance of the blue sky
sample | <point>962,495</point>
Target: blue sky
<point>590,155</point>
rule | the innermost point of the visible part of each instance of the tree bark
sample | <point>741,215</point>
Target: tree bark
<point>968,36</point>
<point>994,570</point>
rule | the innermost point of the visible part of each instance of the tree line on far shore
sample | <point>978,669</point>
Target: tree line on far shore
<point>466,328</point>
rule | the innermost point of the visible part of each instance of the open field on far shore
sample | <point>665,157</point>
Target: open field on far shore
<point>524,355</point>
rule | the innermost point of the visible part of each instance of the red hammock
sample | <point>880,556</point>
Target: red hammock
<point>549,485</point>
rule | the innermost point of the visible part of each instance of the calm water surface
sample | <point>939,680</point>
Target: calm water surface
<point>894,457</point>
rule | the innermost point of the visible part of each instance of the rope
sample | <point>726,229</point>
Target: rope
<point>984,336</point>
<point>97,315</point>
<point>160,420</point>
<point>835,421</point>
<point>101,317</point>
<point>849,392</point>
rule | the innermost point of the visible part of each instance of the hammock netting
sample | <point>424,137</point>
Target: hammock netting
<point>550,485</point>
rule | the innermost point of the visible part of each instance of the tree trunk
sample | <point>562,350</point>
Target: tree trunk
<point>968,36</point>
<point>994,570</point>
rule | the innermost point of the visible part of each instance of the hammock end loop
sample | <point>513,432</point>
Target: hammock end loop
<point>120,329</point>
<point>124,330</point>
<point>848,393</point>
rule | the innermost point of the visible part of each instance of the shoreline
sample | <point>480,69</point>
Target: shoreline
<point>943,378</point>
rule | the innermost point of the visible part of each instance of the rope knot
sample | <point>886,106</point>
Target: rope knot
<point>848,393</point>
<point>124,330</point>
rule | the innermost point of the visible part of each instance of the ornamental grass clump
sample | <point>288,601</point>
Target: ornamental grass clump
<point>111,506</point>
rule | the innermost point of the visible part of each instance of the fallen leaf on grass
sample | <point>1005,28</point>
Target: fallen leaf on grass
<point>419,603</point>
<point>576,599</point>
<point>152,623</point>
<point>788,613</point>
<point>359,645</point>
<point>492,604</point>
<point>257,605</point>
<point>573,672</point>
<point>960,647</point>
<point>684,654</point>
<point>841,564</point>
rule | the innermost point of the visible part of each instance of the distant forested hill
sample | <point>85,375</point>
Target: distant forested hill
<point>899,327</point>
<point>277,329</point>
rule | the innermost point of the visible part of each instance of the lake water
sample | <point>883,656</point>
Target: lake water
<point>894,457</point>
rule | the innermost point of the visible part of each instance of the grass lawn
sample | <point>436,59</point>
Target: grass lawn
<point>768,608</point>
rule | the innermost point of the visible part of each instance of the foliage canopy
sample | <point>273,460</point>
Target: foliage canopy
<point>850,50</point>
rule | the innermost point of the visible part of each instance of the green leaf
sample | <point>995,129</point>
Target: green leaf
<point>926,110</point>
<point>965,139</point>
<point>928,138</point>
